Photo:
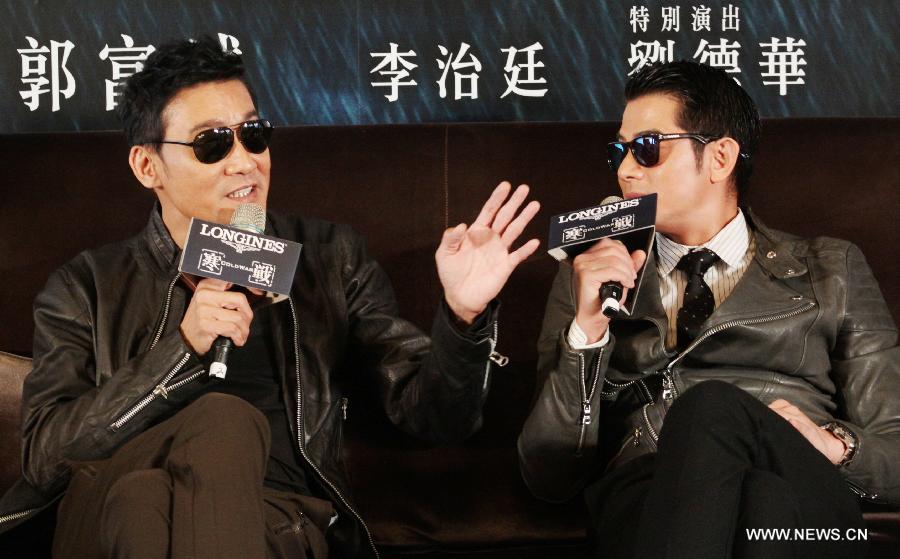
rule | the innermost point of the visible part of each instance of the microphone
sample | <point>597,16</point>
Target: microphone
<point>610,291</point>
<point>630,221</point>
<point>251,218</point>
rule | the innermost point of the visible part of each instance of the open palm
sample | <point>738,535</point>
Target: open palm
<point>474,262</point>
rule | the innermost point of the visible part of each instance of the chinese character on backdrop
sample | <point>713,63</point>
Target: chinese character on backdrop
<point>700,18</point>
<point>230,43</point>
<point>723,55</point>
<point>639,18</point>
<point>126,61</point>
<point>671,16</point>
<point>514,78</point>
<point>643,54</point>
<point>782,63</point>
<point>34,73</point>
<point>397,70</point>
<point>465,84</point>
<point>731,20</point>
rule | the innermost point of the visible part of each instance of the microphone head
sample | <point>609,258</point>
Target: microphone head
<point>249,217</point>
<point>611,199</point>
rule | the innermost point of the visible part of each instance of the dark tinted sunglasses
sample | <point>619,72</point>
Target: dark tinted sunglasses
<point>645,148</point>
<point>215,144</point>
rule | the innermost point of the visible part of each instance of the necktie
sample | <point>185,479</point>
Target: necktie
<point>698,298</point>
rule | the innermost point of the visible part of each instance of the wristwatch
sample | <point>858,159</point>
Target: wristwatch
<point>847,437</point>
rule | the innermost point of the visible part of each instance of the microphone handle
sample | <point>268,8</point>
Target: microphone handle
<point>610,293</point>
<point>221,348</point>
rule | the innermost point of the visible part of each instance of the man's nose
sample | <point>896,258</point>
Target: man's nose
<point>240,160</point>
<point>629,169</point>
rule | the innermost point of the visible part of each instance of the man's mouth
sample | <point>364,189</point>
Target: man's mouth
<point>241,193</point>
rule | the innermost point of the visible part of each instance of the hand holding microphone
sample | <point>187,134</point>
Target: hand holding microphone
<point>217,318</point>
<point>216,315</point>
<point>606,262</point>
<point>616,234</point>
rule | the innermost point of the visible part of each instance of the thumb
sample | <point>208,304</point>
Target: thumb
<point>453,238</point>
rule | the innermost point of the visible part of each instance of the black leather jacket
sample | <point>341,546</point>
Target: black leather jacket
<point>107,339</point>
<point>806,323</point>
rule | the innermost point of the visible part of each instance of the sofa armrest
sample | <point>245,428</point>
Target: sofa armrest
<point>13,369</point>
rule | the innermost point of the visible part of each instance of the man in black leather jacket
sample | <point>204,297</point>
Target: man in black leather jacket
<point>152,457</point>
<point>686,429</point>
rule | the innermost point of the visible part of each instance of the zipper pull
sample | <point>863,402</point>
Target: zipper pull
<point>637,437</point>
<point>161,390</point>
<point>499,359</point>
<point>586,413</point>
<point>344,402</point>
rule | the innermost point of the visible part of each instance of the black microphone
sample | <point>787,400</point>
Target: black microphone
<point>252,218</point>
<point>610,291</point>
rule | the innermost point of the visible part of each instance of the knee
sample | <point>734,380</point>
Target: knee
<point>229,419</point>
<point>227,412</point>
<point>711,403</point>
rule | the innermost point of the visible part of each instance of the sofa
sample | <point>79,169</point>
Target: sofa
<point>401,186</point>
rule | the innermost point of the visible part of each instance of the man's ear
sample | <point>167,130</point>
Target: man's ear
<point>725,154</point>
<point>144,162</point>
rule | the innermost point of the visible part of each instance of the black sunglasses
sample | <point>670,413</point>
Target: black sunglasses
<point>645,148</point>
<point>215,144</point>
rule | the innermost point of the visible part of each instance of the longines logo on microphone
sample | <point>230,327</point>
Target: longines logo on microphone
<point>241,241</point>
<point>599,212</point>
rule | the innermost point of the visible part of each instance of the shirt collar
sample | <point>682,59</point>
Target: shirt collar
<point>730,244</point>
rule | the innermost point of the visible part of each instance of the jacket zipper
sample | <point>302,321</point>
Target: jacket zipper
<point>586,397</point>
<point>300,442</point>
<point>147,399</point>
<point>498,358</point>
<point>670,391</point>
<point>161,389</point>
<point>16,515</point>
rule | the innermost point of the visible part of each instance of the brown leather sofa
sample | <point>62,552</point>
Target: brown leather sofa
<point>401,186</point>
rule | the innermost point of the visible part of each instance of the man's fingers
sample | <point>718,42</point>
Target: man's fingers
<point>213,284</point>
<point>453,238</point>
<point>507,212</point>
<point>493,204</point>
<point>523,252</point>
<point>515,228</point>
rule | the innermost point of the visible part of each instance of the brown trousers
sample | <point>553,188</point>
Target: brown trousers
<point>190,487</point>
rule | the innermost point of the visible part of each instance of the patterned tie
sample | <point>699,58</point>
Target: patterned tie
<point>698,298</point>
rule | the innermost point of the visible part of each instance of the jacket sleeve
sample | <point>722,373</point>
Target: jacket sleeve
<point>68,414</point>
<point>431,387</point>
<point>866,369</point>
<point>558,445</point>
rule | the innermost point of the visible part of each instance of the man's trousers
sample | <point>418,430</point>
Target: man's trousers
<point>725,465</point>
<point>189,487</point>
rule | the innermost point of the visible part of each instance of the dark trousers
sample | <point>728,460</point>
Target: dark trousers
<point>189,487</point>
<point>725,464</point>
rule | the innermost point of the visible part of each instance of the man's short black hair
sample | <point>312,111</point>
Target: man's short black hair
<point>168,70</point>
<point>712,103</point>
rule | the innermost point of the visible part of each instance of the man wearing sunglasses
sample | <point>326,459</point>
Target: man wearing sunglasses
<point>754,384</point>
<point>154,458</point>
